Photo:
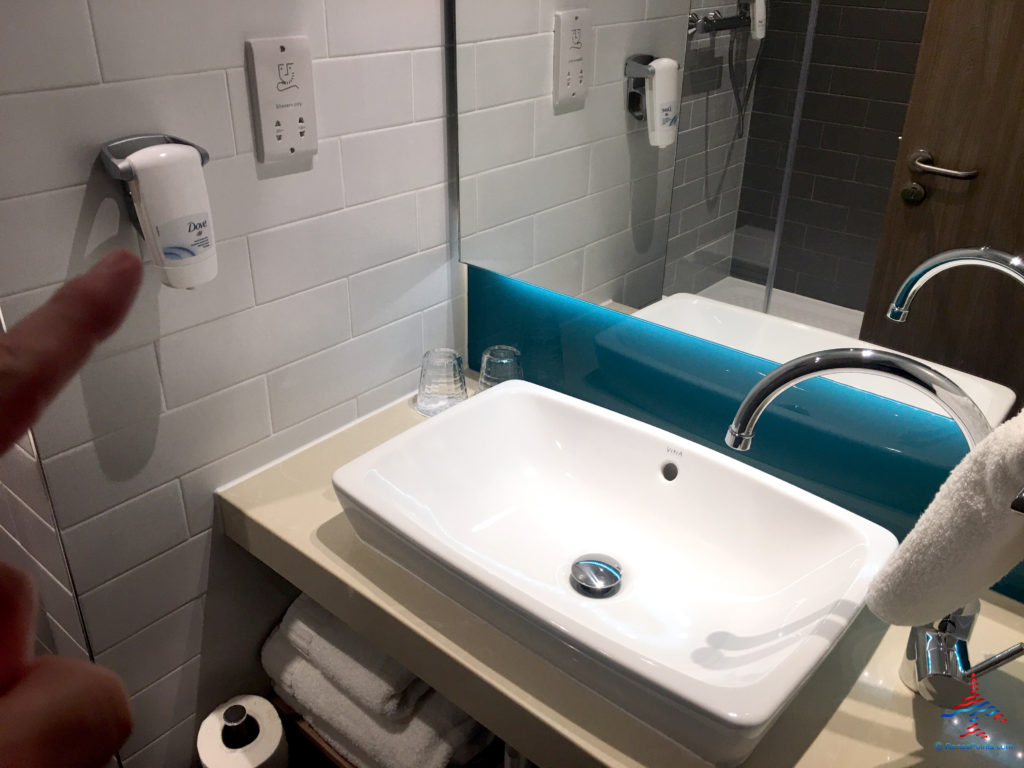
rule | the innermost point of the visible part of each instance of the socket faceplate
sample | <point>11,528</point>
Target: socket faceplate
<point>279,71</point>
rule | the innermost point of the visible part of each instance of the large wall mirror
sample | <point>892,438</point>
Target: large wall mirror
<point>785,190</point>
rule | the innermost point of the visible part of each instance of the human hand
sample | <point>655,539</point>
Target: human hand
<point>56,711</point>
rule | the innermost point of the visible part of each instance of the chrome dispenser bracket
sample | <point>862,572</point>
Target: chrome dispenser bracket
<point>114,154</point>
<point>114,157</point>
<point>638,70</point>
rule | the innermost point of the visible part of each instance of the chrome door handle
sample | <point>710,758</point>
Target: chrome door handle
<point>922,161</point>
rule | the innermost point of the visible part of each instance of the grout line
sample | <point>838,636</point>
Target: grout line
<point>95,44</point>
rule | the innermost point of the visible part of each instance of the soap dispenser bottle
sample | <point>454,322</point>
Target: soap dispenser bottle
<point>168,203</point>
<point>662,99</point>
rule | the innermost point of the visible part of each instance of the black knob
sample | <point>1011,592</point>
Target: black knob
<point>913,193</point>
<point>240,728</point>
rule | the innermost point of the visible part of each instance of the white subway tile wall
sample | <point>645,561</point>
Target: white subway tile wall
<point>332,283</point>
<point>548,198</point>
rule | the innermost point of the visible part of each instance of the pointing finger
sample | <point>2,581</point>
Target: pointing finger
<point>43,351</point>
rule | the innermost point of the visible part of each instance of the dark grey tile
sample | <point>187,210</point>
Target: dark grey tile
<point>785,280</point>
<point>751,250</point>
<point>851,193</point>
<point>769,126</point>
<point>819,78</point>
<point>864,223</point>
<point>871,84</point>
<point>818,288</point>
<point>880,24</point>
<point>778,74</point>
<point>686,195</point>
<point>750,271</point>
<point>826,162</point>
<point>766,178</point>
<point>717,229</point>
<point>810,133</point>
<point>855,279</point>
<point>729,200</point>
<point>875,170</point>
<point>758,202</point>
<point>780,44</point>
<point>774,101</point>
<point>764,152</point>
<point>816,213</point>
<point>842,244</point>
<point>790,17</point>
<point>907,5</point>
<point>713,107</point>
<point>845,51</point>
<point>793,233</point>
<point>861,141</point>
<point>897,57</point>
<point>801,184</point>
<point>835,109</point>
<point>830,18</point>
<point>886,116</point>
<point>705,164</point>
<point>822,265</point>
<point>696,216</point>
<point>747,219</point>
<point>700,80</point>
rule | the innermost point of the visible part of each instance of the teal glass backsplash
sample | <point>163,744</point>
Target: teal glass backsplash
<point>874,456</point>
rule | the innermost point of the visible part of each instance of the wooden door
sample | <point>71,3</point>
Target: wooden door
<point>966,108</point>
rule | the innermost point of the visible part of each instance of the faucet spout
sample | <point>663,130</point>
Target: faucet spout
<point>960,257</point>
<point>942,390</point>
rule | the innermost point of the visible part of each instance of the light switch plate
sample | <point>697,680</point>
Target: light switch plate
<point>279,71</point>
<point>573,57</point>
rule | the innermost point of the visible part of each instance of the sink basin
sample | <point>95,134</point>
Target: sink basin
<point>734,586</point>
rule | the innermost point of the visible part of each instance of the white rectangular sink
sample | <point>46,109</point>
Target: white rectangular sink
<point>778,339</point>
<point>734,586</point>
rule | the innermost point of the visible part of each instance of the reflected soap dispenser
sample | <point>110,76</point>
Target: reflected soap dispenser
<point>662,100</point>
<point>168,203</point>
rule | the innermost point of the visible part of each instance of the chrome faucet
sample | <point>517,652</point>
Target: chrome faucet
<point>958,405</point>
<point>936,664</point>
<point>961,257</point>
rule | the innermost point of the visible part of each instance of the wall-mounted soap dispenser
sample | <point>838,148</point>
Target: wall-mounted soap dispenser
<point>168,203</point>
<point>652,95</point>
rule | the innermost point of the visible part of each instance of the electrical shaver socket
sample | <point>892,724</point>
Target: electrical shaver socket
<point>279,71</point>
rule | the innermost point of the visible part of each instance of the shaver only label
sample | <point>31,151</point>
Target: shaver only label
<point>185,237</point>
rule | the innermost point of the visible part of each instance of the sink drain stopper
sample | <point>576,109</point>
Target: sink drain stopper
<point>596,576</point>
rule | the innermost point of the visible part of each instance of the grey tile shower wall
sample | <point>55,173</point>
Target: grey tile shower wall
<point>332,283</point>
<point>862,68</point>
<point>710,152</point>
<point>576,202</point>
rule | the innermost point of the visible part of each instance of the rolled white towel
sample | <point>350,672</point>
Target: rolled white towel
<point>428,740</point>
<point>965,541</point>
<point>370,678</point>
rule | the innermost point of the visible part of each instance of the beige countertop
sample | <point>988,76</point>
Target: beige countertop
<point>853,712</point>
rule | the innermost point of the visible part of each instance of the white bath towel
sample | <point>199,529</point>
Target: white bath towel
<point>372,679</point>
<point>965,541</point>
<point>428,740</point>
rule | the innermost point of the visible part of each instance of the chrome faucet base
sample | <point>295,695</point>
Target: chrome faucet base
<point>937,666</point>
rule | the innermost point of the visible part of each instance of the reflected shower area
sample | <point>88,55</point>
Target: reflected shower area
<point>830,92</point>
<point>772,197</point>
